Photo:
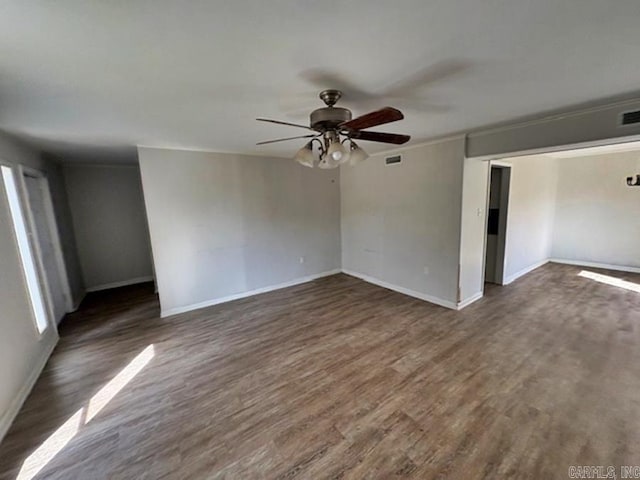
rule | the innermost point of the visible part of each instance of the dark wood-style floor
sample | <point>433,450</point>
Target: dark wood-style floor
<point>341,379</point>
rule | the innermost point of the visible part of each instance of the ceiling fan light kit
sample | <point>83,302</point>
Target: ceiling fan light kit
<point>334,126</point>
<point>630,181</point>
<point>356,155</point>
<point>304,156</point>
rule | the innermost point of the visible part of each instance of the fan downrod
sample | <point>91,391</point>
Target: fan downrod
<point>330,97</point>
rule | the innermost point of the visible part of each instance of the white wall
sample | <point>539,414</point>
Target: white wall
<point>530,218</point>
<point>473,229</point>
<point>398,220</point>
<point>107,207</point>
<point>597,217</point>
<point>223,225</point>
<point>22,352</point>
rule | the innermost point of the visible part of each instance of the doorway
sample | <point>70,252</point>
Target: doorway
<point>44,235</point>
<point>499,181</point>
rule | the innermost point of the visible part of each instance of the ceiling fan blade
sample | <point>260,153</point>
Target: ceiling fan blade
<point>323,78</point>
<point>394,138</point>
<point>432,74</point>
<point>283,123</point>
<point>372,119</point>
<point>285,139</point>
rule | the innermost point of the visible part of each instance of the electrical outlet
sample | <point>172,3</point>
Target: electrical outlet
<point>425,270</point>
<point>301,260</point>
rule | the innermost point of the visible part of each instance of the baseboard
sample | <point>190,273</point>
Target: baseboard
<point>524,271</point>
<point>403,290</point>
<point>470,300</point>
<point>124,283</point>
<point>76,304</point>
<point>237,296</point>
<point>7,418</point>
<point>604,266</point>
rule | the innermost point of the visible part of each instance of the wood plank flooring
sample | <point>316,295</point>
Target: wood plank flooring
<point>338,378</point>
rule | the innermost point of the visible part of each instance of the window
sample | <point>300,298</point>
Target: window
<point>26,252</point>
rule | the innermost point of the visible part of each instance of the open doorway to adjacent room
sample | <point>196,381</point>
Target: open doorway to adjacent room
<point>498,205</point>
<point>576,206</point>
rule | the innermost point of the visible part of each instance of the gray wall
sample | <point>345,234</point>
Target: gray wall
<point>401,223</point>
<point>223,225</point>
<point>22,351</point>
<point>65,229</point>
<point>561,131</point>
<point>597,217</point>
<point>107,207</point>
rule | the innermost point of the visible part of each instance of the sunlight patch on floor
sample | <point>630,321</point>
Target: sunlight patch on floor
<point>63,435</point>
<point>613,281</point>
<point>111,389</point>
<point>50,448</point>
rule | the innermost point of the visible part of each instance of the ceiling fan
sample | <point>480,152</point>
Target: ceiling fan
<point>333,126</point>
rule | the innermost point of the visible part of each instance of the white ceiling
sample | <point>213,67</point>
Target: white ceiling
<point>195,74</point>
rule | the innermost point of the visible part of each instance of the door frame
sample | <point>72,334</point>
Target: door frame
<point>54,233</point>
<point>505,197</point>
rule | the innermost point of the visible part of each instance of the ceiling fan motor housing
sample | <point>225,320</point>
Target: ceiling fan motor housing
<point>332,122</point>
<point>328,118</point>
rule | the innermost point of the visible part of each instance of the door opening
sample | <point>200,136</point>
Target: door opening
<point>497,223</point>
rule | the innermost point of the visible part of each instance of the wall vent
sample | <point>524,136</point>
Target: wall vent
<point>393,160</point>
<point>630,118</point>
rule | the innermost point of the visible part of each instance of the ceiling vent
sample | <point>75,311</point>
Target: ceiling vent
<point>630,118</point>
<point>395,159</point>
